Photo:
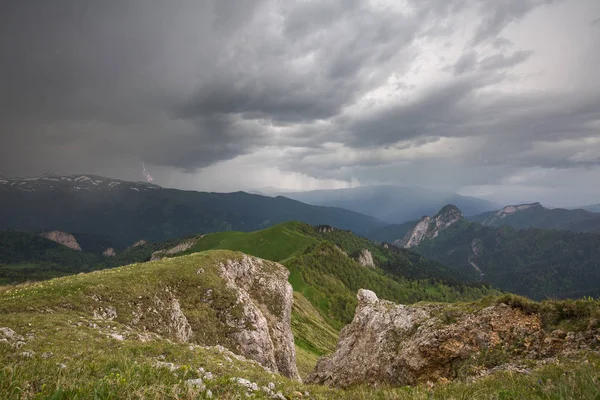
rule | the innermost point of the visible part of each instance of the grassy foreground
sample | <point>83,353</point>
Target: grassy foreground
<point>67,359</point>
<point>61,351</point>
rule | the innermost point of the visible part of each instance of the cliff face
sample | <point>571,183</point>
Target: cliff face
<point>430,227</point>
<point>240,302</point>
<point>365,258</point>
<point>262,288</point>
<point>506,211</point>
<point>64,238</point>
<point>405,345</point>
<point>180,248</point>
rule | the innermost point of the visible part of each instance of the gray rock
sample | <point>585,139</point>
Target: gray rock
<point>110,252</point>
<point>267,299</point>
<point>365,258</point>
<point>405,345</point>
<point>196,383</point>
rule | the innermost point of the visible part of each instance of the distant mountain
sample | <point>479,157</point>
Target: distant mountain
<point>393,204</point>
<point>593,208</point>
<point>537,216</point>
<point>126,212</point>
<point>538,263</point>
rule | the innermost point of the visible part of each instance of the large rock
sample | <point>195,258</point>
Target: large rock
<point>365,258</point>
<point>180,248</point>
<point>64,238</point>
<point>267,297</point>
<point>247,308</point>
<point>405,345</point>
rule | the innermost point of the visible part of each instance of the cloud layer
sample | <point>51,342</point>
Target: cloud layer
<point>472,95</point>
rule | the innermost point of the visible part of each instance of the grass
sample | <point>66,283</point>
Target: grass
<point>276,243</point>
<point>98,367</point>
<point>69,355</point>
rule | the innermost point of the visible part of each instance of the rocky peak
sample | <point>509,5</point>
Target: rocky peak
<point>509,210</point>
<point>64,238</point>
<point>324,228</point>
<point>400,345</point>
<point>430,227</point>
<point>365,258</point>
<point>110,252</point>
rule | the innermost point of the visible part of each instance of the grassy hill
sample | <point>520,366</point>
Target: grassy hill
<point>56,348</point>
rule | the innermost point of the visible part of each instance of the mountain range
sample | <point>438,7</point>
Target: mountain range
<point>126,212</point>
<point>538,263</point>
<point>181,294</point>
<point>537,216</point>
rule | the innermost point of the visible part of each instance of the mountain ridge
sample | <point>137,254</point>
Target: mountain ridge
<point>129,212</point>
<point>538,263</point>
<point>535,215</point>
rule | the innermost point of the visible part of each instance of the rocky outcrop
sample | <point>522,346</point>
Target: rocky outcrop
<point>245,305</point>
<point>267,297</point>
<point>64,238</point>
<point>430,227</point>
<point>180,248</point>
<point>506,211</point>
<point>325,228</point>
<point>110,252</point>
<point>141,242</point>
<point>365,258</point>
<point>405,345</point>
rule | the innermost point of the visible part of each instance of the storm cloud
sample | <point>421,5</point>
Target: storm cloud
<point>478,96</point>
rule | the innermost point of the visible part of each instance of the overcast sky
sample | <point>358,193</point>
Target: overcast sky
<point>493,98</point>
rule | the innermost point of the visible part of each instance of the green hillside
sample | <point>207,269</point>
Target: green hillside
<point>58,349</point>
<point>321,260</point>
<point>276,243</point>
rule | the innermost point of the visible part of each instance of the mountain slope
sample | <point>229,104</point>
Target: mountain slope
<point>392,204</point>
<point>84,337</point>
<point>533,262</point>
<point>128,212</point>
<point>536,216</point>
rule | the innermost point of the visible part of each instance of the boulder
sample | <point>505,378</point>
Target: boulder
<point>405,345</point>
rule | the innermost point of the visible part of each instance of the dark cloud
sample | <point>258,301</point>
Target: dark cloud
<point>336,89</point>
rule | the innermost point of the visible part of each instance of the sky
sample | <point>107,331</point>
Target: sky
<point>492,98</point>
